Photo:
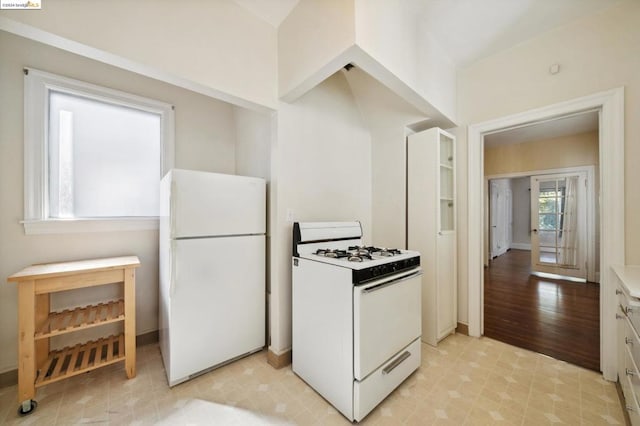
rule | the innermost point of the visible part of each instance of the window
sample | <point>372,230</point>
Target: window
<point>93,156</point>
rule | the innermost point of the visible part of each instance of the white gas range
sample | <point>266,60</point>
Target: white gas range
<point>356,315</point>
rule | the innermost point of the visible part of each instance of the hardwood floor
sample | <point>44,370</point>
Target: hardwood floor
<point>553,317</point>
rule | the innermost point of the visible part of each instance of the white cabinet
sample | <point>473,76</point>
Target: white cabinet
<point>628,318</point>
<point>431,227</point>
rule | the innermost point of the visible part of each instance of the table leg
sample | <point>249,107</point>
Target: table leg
<point>26,344</point>
<point>42,314</point>
<point>130,322</point>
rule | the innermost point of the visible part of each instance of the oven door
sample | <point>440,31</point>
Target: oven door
<point>387,317</point>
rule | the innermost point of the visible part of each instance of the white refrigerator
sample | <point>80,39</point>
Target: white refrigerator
<point>212,270</point>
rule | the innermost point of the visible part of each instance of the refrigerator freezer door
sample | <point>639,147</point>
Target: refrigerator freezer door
<point>216,302</point>
<point>211,204</point>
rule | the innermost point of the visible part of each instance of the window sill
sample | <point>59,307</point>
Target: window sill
<point>71,226</point>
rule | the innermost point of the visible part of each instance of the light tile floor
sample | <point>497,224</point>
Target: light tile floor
<point>464,381</point>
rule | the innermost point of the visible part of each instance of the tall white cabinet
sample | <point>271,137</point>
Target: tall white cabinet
<point>431,227</point>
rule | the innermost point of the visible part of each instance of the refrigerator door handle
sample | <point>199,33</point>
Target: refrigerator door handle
<point>172,270</point>
<point>172,210</point>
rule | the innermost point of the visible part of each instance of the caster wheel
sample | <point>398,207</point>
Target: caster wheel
<point>27,407</point>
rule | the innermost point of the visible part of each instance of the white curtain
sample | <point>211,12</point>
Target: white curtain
<point>568,253</point>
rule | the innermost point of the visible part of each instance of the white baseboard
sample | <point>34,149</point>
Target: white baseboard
<point>500,253</point>
<point>520,246</point>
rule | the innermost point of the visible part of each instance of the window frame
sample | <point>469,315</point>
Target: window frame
<point>37,85</point>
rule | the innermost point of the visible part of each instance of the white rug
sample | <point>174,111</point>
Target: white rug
<point>198,412</point>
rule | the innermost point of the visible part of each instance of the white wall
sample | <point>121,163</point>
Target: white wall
<point>205,138</point>
<point>386,115</point>
<point>520,188</point>
<point>216,44</point>
<point>436,74</point>
<point>595,53</point>
<point>389,32</point>
<point>321,171</point>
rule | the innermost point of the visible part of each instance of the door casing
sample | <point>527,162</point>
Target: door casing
<point>610,104</point>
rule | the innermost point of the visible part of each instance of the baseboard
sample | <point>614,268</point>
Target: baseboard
<point>278,361</point>
<point>520,246</point>
<point>10,377</point>
<point>148,338</point>
<point>462,329</point>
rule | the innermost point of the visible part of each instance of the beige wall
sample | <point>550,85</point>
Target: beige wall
<point>386,115</point>
<point>521,212</point>
<point>595,53</point>
<point>321,171</point>
<point>556,153</point>
<point>205,140</point>
<point>253,142</point>
<point>312,35</point>
<point>216,44</point>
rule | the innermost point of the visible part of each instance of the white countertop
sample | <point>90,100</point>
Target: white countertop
<point>630,277</point>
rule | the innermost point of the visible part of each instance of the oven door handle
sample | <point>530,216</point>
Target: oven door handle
<point>396,362</point>
<point>392,282</point>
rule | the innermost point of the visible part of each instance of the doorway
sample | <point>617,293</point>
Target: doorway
<point>610,105</point>
<point>527,307</point>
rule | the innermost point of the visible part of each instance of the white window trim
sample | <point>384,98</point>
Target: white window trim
<point>37,85</point>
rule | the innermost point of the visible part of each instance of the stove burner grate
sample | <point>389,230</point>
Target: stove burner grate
<point>388,252</point>
<point>358,253</point>
<point>380,251</point>
<point>332,253</point>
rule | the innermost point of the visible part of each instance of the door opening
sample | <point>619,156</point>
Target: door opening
<point>610,104</point>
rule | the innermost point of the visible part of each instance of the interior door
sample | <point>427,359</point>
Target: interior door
<point>500,214</point>
<point>493,215</point>
<point>558,225</point>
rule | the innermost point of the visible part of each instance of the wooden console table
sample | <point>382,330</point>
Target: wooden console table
<point>37,365</point>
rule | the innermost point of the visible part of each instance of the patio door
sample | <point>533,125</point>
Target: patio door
<point>559,225</point>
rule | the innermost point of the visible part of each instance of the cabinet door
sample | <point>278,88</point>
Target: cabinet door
<point>447,317</point>
<point>447,179</point>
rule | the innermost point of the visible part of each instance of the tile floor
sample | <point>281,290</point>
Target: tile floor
<point>465,381</point>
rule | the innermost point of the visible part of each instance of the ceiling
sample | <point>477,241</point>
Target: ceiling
<point>473,29</point>
<point>470,30</point>
<point>564,126</point>
<point>272,11</point>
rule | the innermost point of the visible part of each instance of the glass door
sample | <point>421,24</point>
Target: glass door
<point>558,225</point>
<point>447,183</point>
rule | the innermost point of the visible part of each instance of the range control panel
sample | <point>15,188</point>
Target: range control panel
<point>363,276</point>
